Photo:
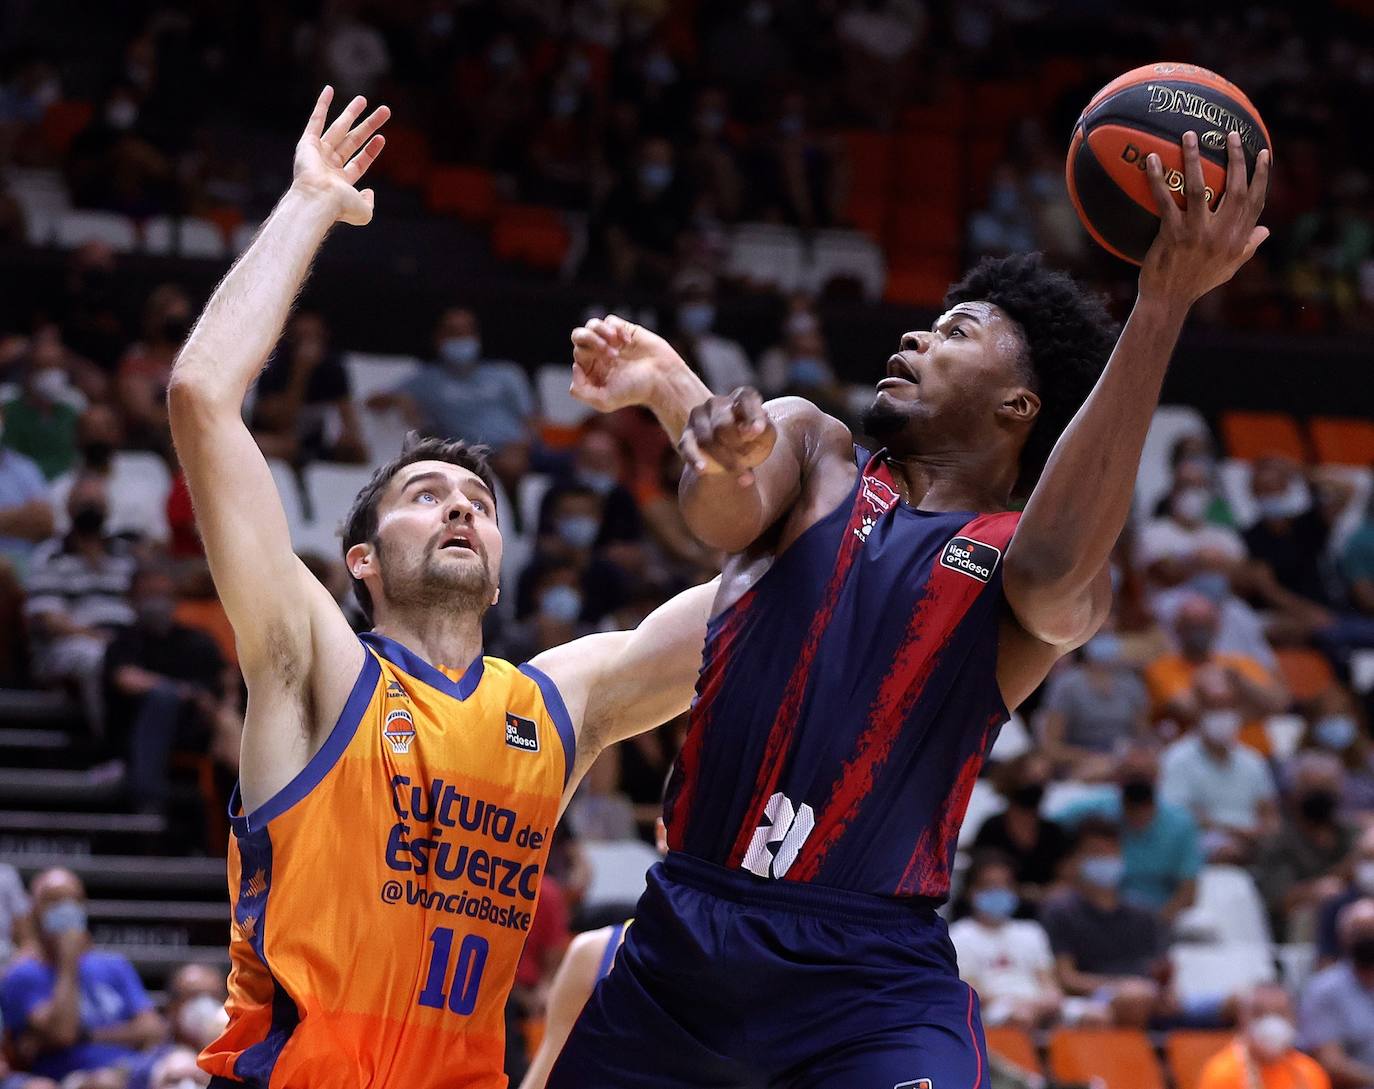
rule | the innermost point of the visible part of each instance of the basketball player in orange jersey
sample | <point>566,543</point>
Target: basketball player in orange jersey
<point>397,790</point>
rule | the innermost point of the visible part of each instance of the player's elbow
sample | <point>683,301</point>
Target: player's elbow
<point>195,392</point>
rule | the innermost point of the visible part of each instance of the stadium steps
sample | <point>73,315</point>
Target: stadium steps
<point>147,877</point>
<point>30,707</point>
<point>65,789</point>
<point>156,963</point>
<point>33,831</point>
<point>38,747</point>
<point>159,922</point>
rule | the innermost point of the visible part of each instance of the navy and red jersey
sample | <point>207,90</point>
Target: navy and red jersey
<point>847,700</point>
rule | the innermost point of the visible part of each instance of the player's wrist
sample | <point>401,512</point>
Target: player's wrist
<point>312,201</point>
<point>675,391</point>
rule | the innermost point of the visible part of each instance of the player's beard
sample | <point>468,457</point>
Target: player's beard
<point>433,582</point>
<point>883,420</point>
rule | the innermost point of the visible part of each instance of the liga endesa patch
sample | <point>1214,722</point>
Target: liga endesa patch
<point>971,558</point>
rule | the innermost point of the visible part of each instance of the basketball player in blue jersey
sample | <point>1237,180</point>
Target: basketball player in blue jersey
<point>879,616</point>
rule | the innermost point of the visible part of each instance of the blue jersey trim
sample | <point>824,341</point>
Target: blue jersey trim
<point>608,954</point>
<point>558,711</point>
<point>404,658</point>
<point>310,776</point>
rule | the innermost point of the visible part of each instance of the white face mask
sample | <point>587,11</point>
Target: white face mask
<point>1364,876</point>
<point>1220,727</point>
<point>50,383</point>
<point>1272,1035</point>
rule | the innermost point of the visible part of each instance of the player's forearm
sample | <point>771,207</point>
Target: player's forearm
<point>676,393</point>
<point>244,317</point>
<point>1080,505</point>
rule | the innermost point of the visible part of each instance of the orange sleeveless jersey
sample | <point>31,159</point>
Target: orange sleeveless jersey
<point>381,900</point>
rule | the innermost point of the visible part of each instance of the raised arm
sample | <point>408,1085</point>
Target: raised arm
<point>1054,568</point>
<point>746,461</point>
<point>282,618</point>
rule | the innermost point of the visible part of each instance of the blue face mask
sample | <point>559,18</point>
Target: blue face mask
<point>579,530</point>
<point>808,372</point>
<point>1336,732</point>
<point>1213,585</point>
<point>995,903</point>
<point>1104,649</point>
<point>1102,871</point>
<point>63,917</point>
<point>696,318</point>
<point>460,351</point>
<point>601,483</point>
<point>655,177</point>
<point>561,603</point>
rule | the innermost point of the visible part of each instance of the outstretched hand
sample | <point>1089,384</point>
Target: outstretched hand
<point>330,161</point>
<point>617,363</point>
<point>1198,249</point>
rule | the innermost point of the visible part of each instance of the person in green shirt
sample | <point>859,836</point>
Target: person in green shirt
<point>41,422</point>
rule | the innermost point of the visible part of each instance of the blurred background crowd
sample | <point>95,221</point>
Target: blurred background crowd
<point>1175,835</point>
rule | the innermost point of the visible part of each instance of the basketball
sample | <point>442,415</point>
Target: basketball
<point>1148,110</point>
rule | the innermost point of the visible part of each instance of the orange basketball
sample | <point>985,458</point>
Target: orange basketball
<point>1148,110</point>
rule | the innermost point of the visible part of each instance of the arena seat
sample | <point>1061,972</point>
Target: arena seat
<point>1362,671</point>
<point>406,161</point>
<point>1251,435</point>
<point>767,255</point>
<point>1114,1058</point>
<point>1015,1046</point>
<point>284,477</point>
<point>1221,970</point>
<point>42,194</point>
<point>1186,1052</point>
<point>468,192</point>
<point>1306,672</point>
<point>1169,424</point>
<point>241,237</point>
<point>921,280</point>
<point>331,489</point>
<point>370,373</point>
<point>1340,441</point>
<point>617,871</point>
<point>532,235</point>
<point>62,120</point>
<point>1297,962</point>
<point>76,228</point>
<point>983,802</point>
<point>1233,476</point>
<point>849,254</point>
<point>187,236</point>
<point>556,404</point>
<point>1228,909</point>
<point>1285,734</point>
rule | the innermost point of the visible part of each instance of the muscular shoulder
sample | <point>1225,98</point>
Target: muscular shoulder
<point>810,430</point>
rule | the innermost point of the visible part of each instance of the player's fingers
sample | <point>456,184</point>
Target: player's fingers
<point>1194,184</point>
<point>315,126</point>
<point>359,135</point>
<point>584,389</point>
<point>1259,184</point>
<point>1257,237</point>
<point>357,166</point>
<point>610,337</point>
<point>1236,181</point>
<point>344,121</point>
<point>1164,200</point>
<point>623,330</point>
<point>588,339</point>
<point>746,406</point>
<point>690,451</point>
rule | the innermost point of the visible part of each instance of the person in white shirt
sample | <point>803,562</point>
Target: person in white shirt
<point>1007,961</point>
<point>1182,543</point>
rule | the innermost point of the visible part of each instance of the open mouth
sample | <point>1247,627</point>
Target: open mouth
<point>899,372</point>
<point>459,542</point>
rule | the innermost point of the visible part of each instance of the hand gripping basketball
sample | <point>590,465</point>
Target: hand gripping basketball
<point>729,433</point>
<point>1198,249</point>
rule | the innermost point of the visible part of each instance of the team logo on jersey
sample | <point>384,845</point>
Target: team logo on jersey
<point>971,558</point>
<point>256,885</point>
<point>248,928</point>
<point>394,691</point>
<point>919,1083</point>
<point>399,730</point>
<point>880,498</point>
<point>521,733</point>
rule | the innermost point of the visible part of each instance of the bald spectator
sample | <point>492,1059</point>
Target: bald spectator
<point>134,509</point>
<point>1336,1015</point>
<point>177,1069</point>
<point>1262,1056</point>
<point>71,1008</point>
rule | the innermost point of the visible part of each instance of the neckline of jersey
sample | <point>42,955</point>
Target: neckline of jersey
<point>404,658</point>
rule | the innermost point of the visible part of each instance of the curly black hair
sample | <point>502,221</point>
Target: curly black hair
<point>1068,335</point>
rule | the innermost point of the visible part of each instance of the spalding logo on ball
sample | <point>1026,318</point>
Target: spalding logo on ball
<point>1148,110</point>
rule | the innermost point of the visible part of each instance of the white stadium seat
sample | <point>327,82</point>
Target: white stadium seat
<point>284,477</point>
<point>766,254</point>
<point>982,804</point>
<point>1228,910</point>
<point>77,228</point>
<point>617,871</point>
<point>559,407</point>
<point>187,236</point>
<point>242,236</point>
<point>848,254</point>
<point>369,373</point>
<point>1220,971</point>
<point>330,488</point>
<point>1235,489</point>
<point>1170,423</point>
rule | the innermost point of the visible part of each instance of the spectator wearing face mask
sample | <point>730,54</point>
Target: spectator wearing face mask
<point>645,216</point>
<point>1336,1014</point>
<point>1181,543</point>
<point>1110,956</point>
<point>599,465</point>
<point>461,394</point>
<point>1359,885</point>
<point>195,1013</point>
<point>146,368</point>
<point>177,1069</point>
<point>1092,709</point>
<point>133,509</point>
<point>69,1007</point>
<point>42,419</point>
<point>166,683</point>
<point>1303,864</point>
<point>800,322</point>
<point>1262,1056</point>
<point>1193,462</point>
<point>78,587</point>
<point>1006,960</point>
<point>1038,846</point>
<point>26,514</point>
<point>1225,785</point>
<point>721,362</point>
<point>1161,846</point>
<point>1336,725</point>
<point>1177,682</point>
<point>567,540</point>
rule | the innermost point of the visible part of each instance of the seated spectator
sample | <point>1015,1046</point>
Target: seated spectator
<point>569,532</point>
<point>1262,1056</point>
<point>1092,710</point>
<point>42,418</point>
<point>1182,543</point>
<point>78,597</point>
<point>711,157</point>
<point>1038,846</point>
<point>68,1007</point>
<point>304,410</point>
<point>177,1069</point>
<point>1178,682</point>
<point>721,362</point>
<point>134,510</point>
<point>1357,564</point>
<point>461,394</point>
<point>795,173</point>
<point>16,914</point>
<point>1193,463</point>
<point>645,215</point>
<point>195,1015</point>
<point>1336,1014</point>
<point>146,368</point>
<point>1336,725</point>
<point>800,321</point>
<point>1359,885</point>
<point>599,465</point>
<point>1005,224</point>
<point>1225,785</point>
<point>1160,843</point>
<point>1109,955</point>
<point>1007,961</point>
<point>1302,865</point>
<point>25,506</point>
<point>166,683</point>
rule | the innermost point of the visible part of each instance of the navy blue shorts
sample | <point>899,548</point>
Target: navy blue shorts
<point>728,981</point>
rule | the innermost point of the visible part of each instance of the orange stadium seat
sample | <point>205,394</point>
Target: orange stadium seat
<point>406,158</point>
<point>1121,1058</point>
<point>922,280</point>
<point>1341,441</point>
<point>531,234</point>
<point>870,179</point>
<point>1251,435</point>
<point>1306,673</point>
<point>466,191</point>
<point>1187,1050</point>
<point>62,121</point>
<point>1014,1045</point>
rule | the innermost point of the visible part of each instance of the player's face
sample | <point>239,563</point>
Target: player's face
<point>944,388</point>
<point>438,542</point>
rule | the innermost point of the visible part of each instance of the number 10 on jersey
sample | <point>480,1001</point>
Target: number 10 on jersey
<point>467,975</point>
